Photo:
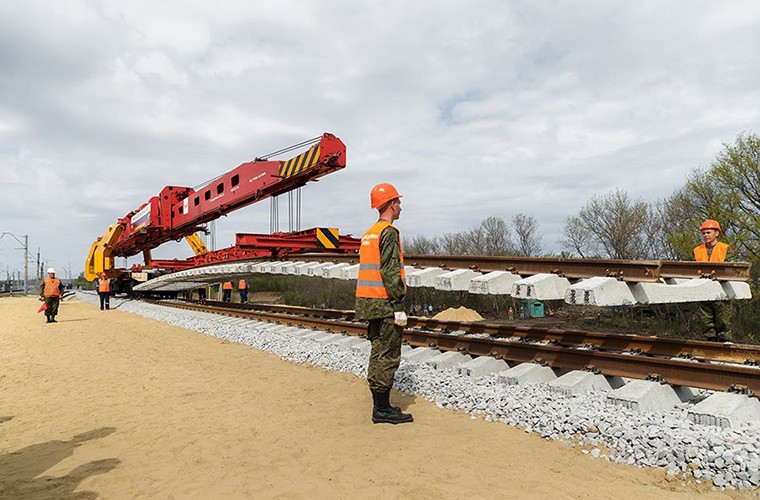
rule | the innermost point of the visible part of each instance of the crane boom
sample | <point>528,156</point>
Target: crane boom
<point>178,212</point>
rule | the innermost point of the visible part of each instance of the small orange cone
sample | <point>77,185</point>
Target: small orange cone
<point>43,307</point>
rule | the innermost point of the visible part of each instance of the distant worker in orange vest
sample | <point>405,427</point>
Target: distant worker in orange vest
<point>713,314</point>
<point>380,294</point>
<point>51,290</point>
<point>104,291</point>
<point>227,291</point>
<point>243,290</point>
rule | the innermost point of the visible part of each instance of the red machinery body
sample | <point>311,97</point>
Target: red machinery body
<point>179,211</point>
<point>277,245</point>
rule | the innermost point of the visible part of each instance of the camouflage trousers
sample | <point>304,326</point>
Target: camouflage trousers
<point>385,356</point>
<point>52,305</point>
<point>715,319</point>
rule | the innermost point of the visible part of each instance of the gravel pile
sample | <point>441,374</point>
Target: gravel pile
<point>725,458</point>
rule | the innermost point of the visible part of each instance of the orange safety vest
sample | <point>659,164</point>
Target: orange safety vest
<point>104,285</point>
<point>227,285</point>
<point>369,283</point>
<point>719,253</point>
<point>52,287</point>
<point>242,285</point>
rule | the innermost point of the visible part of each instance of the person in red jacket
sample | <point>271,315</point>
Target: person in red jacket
<point>713,314</point>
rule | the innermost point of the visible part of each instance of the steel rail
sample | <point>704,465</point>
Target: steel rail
<point>626,270</point>
<point>704,375</point>
<point>650,345</point>
<point>631,271</point>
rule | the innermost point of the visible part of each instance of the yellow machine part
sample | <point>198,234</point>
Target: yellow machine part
<point>196,243</point>
<point>99,259</point>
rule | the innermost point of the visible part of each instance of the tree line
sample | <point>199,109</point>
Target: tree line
<point>493,236</point>
<point>616,226</point>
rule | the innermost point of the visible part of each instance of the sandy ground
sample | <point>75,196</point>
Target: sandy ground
<point>109,404</point>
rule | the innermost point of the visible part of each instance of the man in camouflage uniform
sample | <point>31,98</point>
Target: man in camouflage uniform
<point>380,294</point>
<point>714,315</point>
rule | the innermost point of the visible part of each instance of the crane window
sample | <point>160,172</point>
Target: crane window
<point>207,195</point>
<point>196,201</point>
<point>180,210</point>
<point>235,180</point>
<point>220,188</point>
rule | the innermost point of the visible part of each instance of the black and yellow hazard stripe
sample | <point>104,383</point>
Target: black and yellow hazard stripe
<point>327,237</point>
<point>300,163</point>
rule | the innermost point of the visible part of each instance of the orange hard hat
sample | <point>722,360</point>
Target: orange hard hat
<point>710,224</point>
<point>382,194</point>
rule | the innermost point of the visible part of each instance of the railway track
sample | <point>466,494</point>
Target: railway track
<point>66,294</point>
<point>625,270</point>
<point>705,365</point>
<point>631,271</point>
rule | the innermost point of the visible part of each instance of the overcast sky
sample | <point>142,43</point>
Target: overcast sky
<point>472,109</point>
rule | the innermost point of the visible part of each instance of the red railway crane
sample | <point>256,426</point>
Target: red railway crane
<point>180,212</point>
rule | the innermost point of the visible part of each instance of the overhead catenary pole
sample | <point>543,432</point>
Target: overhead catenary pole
<point>26,264</point>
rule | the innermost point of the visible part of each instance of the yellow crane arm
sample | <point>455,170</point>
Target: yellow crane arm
<point>100,258</point>
<point>196,243</point>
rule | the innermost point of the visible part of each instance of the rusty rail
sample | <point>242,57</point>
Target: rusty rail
<point>706,375</point>
<point>626,270</point>
<point>650,345</point>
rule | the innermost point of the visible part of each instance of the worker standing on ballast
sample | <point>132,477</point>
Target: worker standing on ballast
<point>713,314</point>
<point>380,294</point>
<point>104,291</point>
<point>243,290</point>
<point>51,290</point>
<point>227,291</point>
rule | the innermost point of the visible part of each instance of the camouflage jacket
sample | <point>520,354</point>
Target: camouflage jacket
<point>390,270</point>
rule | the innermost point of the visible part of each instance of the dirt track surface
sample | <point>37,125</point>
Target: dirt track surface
<point>112,405</point>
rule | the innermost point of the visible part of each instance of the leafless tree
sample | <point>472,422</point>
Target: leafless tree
<point>454,244</point>
<point>419,244</point>
<point>474,241</point>
<point>576,239</point>
<point>497,237</point>
<point>527,235</point>
<point>616,225</point>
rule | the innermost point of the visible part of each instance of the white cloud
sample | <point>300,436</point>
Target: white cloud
<point>479,109</point>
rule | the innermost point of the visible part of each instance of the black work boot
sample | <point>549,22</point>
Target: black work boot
<point>384,413</point>
<point>377,404</point>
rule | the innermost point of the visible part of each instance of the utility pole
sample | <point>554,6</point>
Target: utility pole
<point>26,258</point>
<point>26,264</point>
<point>39,269</point>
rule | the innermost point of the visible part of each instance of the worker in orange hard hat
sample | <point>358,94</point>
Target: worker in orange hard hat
<point>713,314</point>
<point>51,290</point>
<point>227,291</point>
<point>382,194</point>
<point>380,294</point>
<point>243,290</point>
<point>711,250</point>
<point>104,291</point>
